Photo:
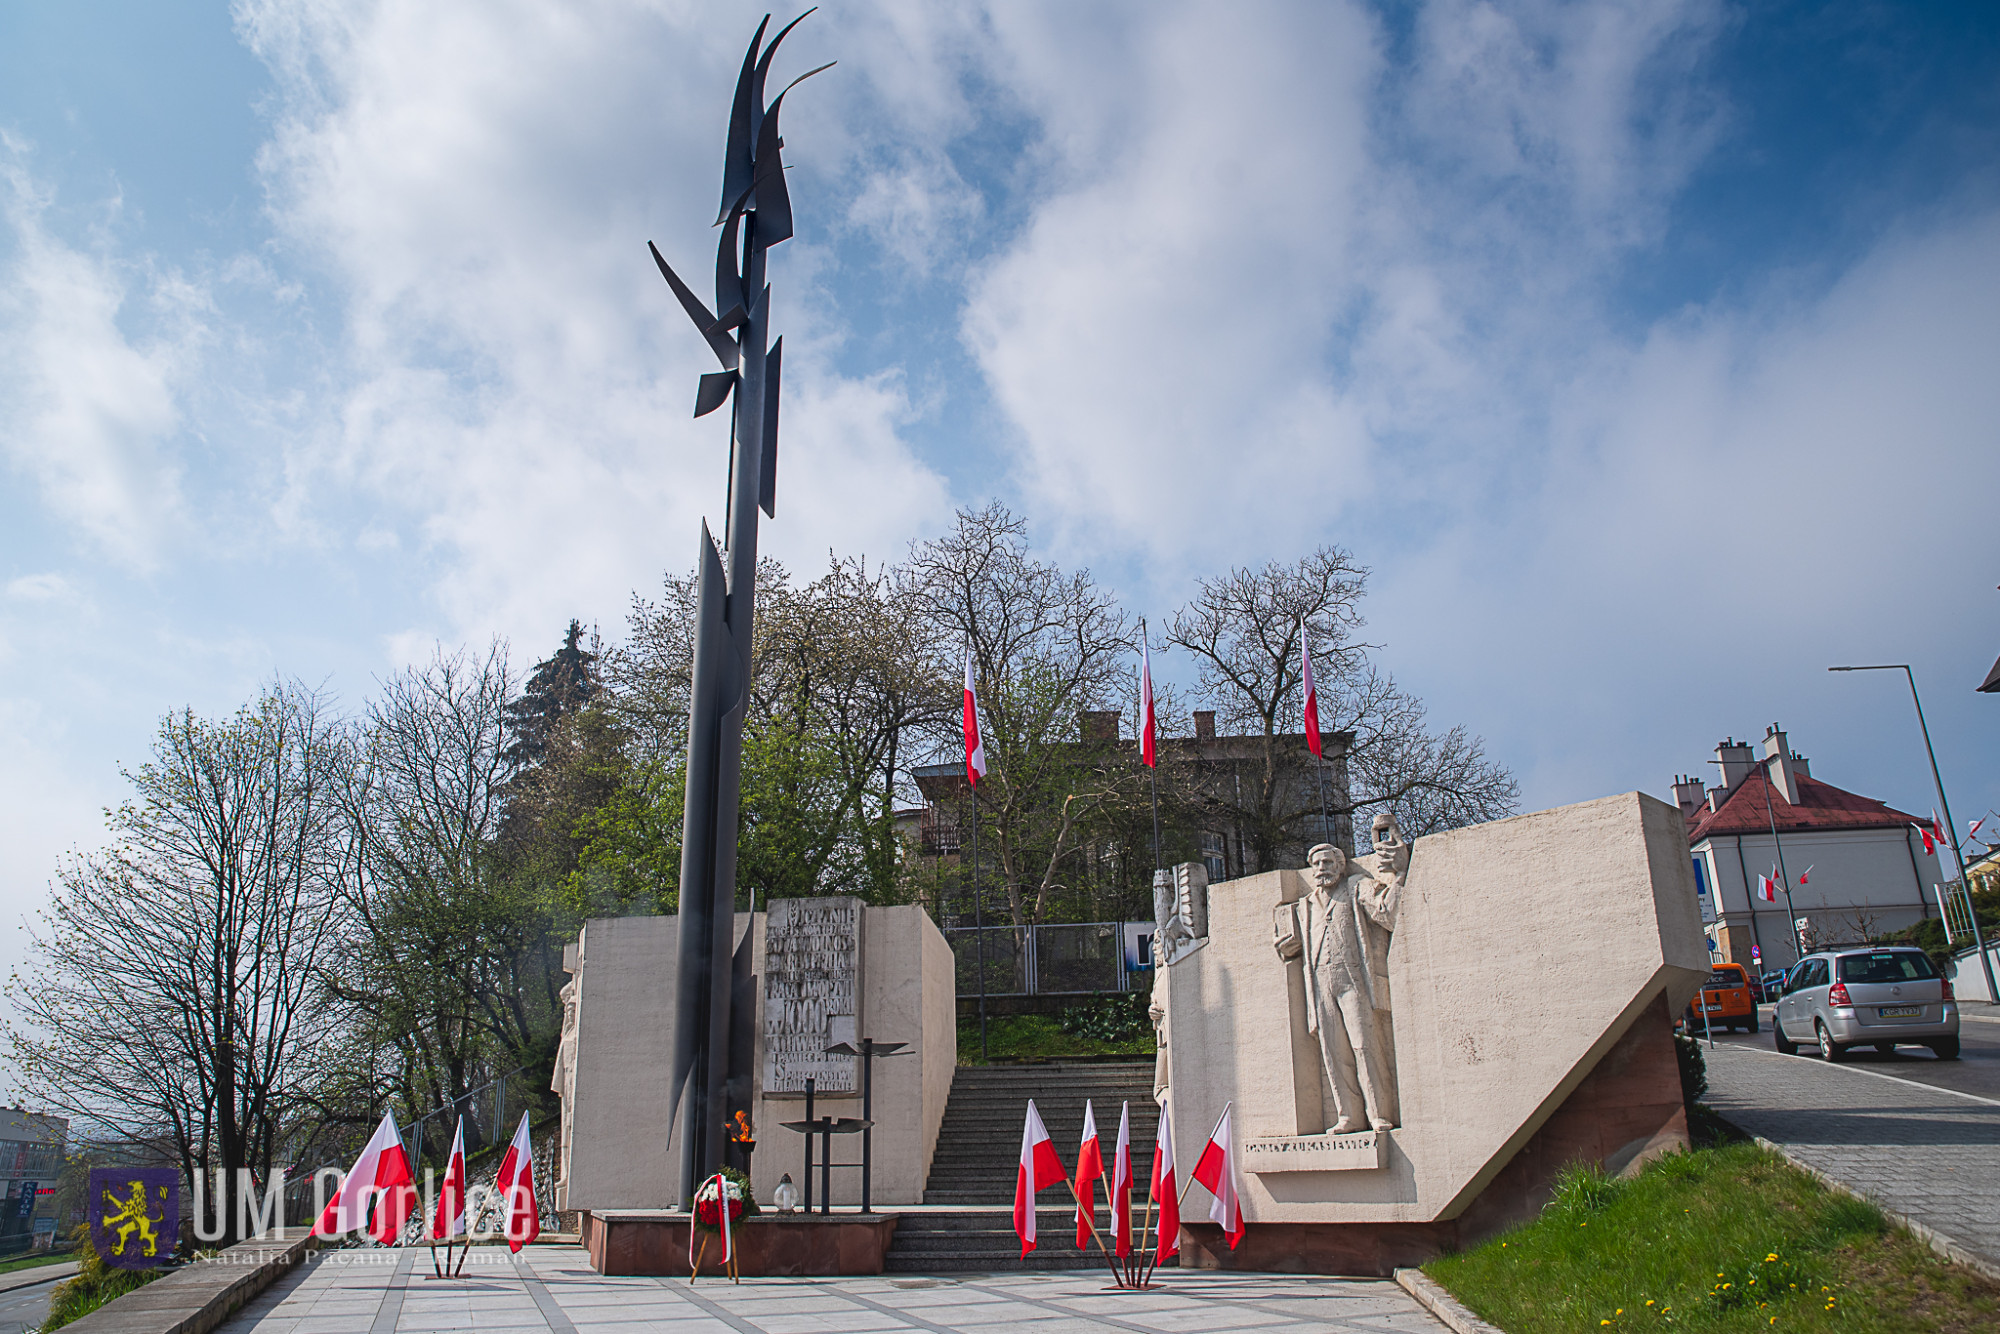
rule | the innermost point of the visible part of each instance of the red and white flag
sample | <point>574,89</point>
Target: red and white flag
<point>1089,1171</point>
<point>1312,696</point>
<point>449,1221</point>
<point>1803,874</point>
<point>1767,886</point>
<point>1146,752</point>
<point>516,1184</point>
<point>1216,1170</point>
<point>381,1175</point>
<point>1930,845</point>
<point>1937,829</point>
<point>1040,1167</point>
<point>1121,1184</point>
<point>1166,1194</point>
<point>975,749</point>
<point>1975,826</point>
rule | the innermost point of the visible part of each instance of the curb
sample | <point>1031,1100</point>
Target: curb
<point>197,1298</point>
<point>1945,1247</point>
<point>1442,1304</point>
<point>29,1278</point>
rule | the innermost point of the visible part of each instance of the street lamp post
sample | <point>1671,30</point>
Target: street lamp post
<point>1978,940</point>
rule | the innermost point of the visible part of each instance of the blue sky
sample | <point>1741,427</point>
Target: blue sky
<point>1644,352</point>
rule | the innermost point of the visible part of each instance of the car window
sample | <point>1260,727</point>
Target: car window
<point>1806,974</point>
<point>1724,977</point>
<point>1886,966</point>
<point>1819,973</point>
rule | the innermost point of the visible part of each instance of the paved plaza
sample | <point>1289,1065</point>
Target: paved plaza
<point>1928,1153</point>
<point>553,1288</point>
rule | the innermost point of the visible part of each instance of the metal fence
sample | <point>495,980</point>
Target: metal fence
<point>1074,958</point>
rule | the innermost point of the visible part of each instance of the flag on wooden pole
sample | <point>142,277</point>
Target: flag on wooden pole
<point>1039,1167</point>
<point>975,749</point>
<point>1121,1184</point>
<point>1089,1171</point>
<point>1166,1195</point>
<point>449,1221</point>
<point>1216,1170</point>
<point>381,1173</point>
<point>516,1184</point>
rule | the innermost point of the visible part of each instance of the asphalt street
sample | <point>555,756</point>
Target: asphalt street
<point>1977,1071</point>
<point>24,1308</point>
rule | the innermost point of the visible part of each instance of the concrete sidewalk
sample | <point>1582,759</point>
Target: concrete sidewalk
<point>554,1289</point>
<point>1928,1154</point>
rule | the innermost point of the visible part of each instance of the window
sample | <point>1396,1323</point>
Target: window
<point>1886,966</point>
<point>1211,856</point>
<point>1725,977</point>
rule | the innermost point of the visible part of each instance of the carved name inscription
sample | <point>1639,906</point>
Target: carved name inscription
<point>1314,1153</point>
<point>812,993</point>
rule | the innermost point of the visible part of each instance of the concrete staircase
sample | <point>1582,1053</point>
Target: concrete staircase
<point>979,1147</point>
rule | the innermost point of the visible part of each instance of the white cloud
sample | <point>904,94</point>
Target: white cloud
<point>47,586</point>
<point>86,409</point>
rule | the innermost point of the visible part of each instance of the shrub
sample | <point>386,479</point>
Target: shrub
<point>1119,1019</point>
<point>95,1284</point>
<point>1694,1070</point>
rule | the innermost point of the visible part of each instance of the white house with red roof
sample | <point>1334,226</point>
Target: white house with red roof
<point>1865,868</point>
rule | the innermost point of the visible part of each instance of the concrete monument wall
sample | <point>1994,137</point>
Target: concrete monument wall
<point>1524,951</point>
<point>618,1150</point>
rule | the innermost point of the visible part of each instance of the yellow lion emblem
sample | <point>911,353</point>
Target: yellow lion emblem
<point>131,1216</point>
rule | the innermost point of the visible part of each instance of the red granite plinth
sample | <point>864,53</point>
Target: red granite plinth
<point>654,1242</point>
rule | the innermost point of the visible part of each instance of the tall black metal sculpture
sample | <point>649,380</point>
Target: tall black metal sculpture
<point>756,214</point>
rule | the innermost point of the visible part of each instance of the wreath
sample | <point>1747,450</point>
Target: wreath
<point>708,1201</point>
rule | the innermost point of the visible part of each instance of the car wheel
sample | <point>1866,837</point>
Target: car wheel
<point>1945,1048</point>
<point>1829,1050</point>
<point>1751,1026</point>
<point>1785,1046</point>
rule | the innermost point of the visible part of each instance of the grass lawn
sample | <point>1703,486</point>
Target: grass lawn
<point>1027,1037</point>
<point>34,1261</point>
<point>1730,1238</point>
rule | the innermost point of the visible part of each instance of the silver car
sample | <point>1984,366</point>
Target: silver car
<point>1860,997</point>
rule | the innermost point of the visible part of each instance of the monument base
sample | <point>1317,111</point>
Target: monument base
<point>1626,1112</point>
<point>655,1242</point>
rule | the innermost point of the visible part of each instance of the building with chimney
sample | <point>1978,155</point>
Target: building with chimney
<point>1865,868</point>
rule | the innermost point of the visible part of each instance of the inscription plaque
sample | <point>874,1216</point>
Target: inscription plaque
<point>812,991</point>
<point>1314,1153</point>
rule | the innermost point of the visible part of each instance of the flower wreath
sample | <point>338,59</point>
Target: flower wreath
<point>708,1200</point>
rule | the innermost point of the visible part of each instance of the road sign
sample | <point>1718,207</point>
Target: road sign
<point>1756,954</point>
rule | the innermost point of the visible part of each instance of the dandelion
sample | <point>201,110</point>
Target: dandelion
<point>1649,1301</point>
<point>1771,1257</point>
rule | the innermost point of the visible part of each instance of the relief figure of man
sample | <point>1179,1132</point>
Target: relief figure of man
<point>1340,932</point>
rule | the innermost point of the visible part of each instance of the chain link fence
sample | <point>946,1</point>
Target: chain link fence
<point>1072,958</point>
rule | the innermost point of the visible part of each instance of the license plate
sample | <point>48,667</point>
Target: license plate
<point>1899,1011</point>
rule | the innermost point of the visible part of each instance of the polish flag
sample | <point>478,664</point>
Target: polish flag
<point>450,1219</point>
<point>516,1184</point>
<point>1121,1184</point>
<point>975,749</point>
<point>1930,845</point>
<point>1146,753</point>
<point>1165,1193</point>
<point>382,1172</point>
<point>1975,826</point>
<point>1312,696</point>
<point>1039,1168</point>
<point>1089,1171</point>
<point>1216,1170</point>
<point>1803,874</point>
<point>1767,886</point>
<point>1937,830</point>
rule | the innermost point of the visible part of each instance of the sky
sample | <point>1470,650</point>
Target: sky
<point>1644,352</point>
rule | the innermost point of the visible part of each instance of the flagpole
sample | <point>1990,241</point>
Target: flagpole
<point>1152,770</point>
<point>979,924</point>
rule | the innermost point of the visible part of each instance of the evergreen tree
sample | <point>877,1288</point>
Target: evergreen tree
<point>559,688</point>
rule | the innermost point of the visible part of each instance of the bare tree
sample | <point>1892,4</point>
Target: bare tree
<point>173,991</point>
<point>1245,629</point>
<point>1046,647</point>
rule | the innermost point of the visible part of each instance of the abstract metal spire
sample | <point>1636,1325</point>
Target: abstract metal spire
<point>756,214</point>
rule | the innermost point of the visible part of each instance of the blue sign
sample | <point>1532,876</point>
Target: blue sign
<point>27,1199</point>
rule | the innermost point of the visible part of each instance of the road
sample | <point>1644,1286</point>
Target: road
<point>1919,1136</point>
<point>1977,1071</point>
<point>24,1308</point>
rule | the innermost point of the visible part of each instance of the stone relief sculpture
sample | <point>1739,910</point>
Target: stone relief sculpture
<point>1180,925</point>
<point>1340,934</point>
<point>563,1083</point>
